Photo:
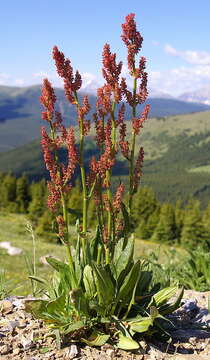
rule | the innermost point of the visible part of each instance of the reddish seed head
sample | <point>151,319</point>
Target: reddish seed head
<point>111,70</point>
<point>130,35</point>
<point>118,198</point>
<point>48,100</point>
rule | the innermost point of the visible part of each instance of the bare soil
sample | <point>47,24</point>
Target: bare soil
<point>25,338</point>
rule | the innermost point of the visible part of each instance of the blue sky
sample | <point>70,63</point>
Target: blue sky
<point>176,39</point>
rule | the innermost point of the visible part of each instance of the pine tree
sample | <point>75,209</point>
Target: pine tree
<point>194,232</point>
<point>144,205</point>
<point>22,194</point>
<point>38,204</point>
<point>8,193</point>
<point>165,231</point>
<point>179,218</point>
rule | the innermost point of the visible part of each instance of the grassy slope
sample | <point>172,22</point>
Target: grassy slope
<point>13,229</point>
<point>20,112</point>
<point>176,157</point>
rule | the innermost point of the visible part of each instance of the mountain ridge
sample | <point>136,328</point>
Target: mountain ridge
<point>20,112</point>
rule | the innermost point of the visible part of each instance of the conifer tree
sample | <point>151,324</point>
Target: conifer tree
<point>8,193</point>
<point>179,218</point>
<point>165,231</point>
<point>144,205</point>
<point>194,232</point>
<point>22,194</point>
<point>37,206</point>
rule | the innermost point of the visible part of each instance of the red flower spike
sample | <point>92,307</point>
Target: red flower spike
<point>138,169</point>
<point>132,39</point>
<point>111,70</point>
<point>65,70</point>
<point>48,100</point>
<point>118,198</point>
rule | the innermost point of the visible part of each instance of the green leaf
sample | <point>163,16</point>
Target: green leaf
<point>36,307</point>
<point>65,270</point>
<point>127,343</point>
<point>44,350</point>
<point>95,242</point>
<point>96,339</point>
<point>73,327</point>
<point>141,325</point>
<point>162,296</point>
<point>57,305</point>
<point>126,291</point>
<point>89,282</point>
<point>169,308</point>
<point>104,285</point>
<point>123,258</point>
<point>38,279</point>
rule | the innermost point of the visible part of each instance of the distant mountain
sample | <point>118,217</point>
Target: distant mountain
<point>176,165</point>
<point>200,96</point>
<point>20,112</point>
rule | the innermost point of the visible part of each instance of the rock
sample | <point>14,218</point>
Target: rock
<point>16,351</point>
<point>11,250</point>
<point>26,343</point>
<point>72,352</point>
<point>5,349</point>
<point>6,307</point>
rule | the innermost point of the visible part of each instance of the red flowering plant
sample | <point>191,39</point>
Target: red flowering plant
<point>101,293</point>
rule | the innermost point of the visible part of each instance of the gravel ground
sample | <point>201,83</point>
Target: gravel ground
<point>22,337</point>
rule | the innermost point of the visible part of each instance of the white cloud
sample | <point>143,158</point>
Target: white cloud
<point>190,56</point>
<point>90,82</point>
<point>19,82</point>
<point>4,78</point>
<point>179,80</point>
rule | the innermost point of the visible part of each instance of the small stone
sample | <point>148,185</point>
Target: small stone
<point>26,343</point>
<point>72,352</point>
<point>22,324</point>
<point>110,353</point>
<point>5,349</point>
<point>16,351</point>
<point>5,307</point>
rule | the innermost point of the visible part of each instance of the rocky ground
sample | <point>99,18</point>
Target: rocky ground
<point>22,337</point>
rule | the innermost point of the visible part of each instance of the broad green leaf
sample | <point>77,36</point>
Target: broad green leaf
<point>141,325</point>
<point>122,258</point>
<point>57,305</point>
<point>96,339</point>
<point>64,269</point>
<point>127,343</point>
<point>36,307</point>
<point>104,285</point>
<point>162,296</point>
<point>79,301</point>
<point>73,327</point>
<point>169,308</point>
<point>126,291</point>
<point>143,283</point>
<point>89,281</point>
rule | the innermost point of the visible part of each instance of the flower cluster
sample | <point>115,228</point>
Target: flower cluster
<point>72,82</point>
<point>60,174</point>
<point>111,135</point>
<point>132,39</point>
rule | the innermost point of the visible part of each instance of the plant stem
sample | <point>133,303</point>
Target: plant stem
<point>82,170</point>
<point>132,158</point>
